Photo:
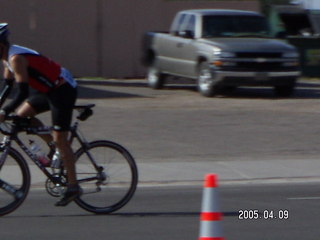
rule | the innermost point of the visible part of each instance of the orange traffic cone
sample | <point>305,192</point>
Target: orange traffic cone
<point>210,219</point>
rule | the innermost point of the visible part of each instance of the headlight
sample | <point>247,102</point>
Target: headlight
<point>290,55</point>
<point>217,52</point>
<point>227,55</point>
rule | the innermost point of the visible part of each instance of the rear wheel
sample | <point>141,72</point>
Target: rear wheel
<point>111,184</point>
<point>14,181</point>
<point>156,79</point>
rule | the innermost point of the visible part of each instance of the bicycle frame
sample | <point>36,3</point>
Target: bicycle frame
<point>97,161</point>
<point>83,143</point>
<point>14,138</point>
<point>74,134</point>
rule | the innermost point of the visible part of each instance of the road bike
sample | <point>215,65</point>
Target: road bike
<point>106,171</point>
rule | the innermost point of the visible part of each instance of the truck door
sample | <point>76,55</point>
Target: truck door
<point>168,46</point>
<point>184,49</point>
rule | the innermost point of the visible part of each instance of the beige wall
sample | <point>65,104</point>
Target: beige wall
<point>97,37</point>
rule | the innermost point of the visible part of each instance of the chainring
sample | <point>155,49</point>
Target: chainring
<point>54,189</point>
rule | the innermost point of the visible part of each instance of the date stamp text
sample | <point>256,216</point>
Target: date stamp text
<point>255,214</point>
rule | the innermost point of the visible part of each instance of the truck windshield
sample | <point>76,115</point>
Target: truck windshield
<point>235,26</point>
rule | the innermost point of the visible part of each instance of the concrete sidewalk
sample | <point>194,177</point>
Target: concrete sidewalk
<point>229,172</point>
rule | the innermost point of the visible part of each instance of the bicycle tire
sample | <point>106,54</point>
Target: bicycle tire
<point>14,171</point>
<point>121,177</point>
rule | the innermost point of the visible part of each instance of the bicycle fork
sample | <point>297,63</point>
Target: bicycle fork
<point>5,148</point>
<point>101,176</point>
<point>75,134</point>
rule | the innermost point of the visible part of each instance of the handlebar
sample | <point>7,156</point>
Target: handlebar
<point>14,124</point>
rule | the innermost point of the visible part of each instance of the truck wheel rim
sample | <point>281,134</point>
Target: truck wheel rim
<point>153,76</point>
<point>205,80</point>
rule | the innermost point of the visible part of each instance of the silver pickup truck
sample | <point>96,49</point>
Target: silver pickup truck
<point>221,49</point>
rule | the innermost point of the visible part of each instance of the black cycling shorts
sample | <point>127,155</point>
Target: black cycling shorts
<point>60,101</point>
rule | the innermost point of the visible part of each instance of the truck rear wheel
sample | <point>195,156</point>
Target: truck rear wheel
<point>205,81</point>
<point>155,78</point>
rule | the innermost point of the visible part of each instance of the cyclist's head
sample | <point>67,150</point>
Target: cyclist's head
<point>4,43</point>
<point>4,33</point>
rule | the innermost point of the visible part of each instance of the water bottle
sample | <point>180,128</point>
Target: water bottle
<point>36,150</point>
<point>55,163</point>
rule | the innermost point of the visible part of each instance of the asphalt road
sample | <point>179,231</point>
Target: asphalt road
<point>173,213</point>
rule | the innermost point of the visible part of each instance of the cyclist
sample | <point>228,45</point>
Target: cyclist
<point>56,90</point>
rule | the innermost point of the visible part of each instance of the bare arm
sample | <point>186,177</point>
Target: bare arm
<point>6,73</point>
<point>7,87</point>
<point>19,65</point>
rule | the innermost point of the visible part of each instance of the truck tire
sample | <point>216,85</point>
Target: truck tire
<point>205,82</point>
<point>155,78</point>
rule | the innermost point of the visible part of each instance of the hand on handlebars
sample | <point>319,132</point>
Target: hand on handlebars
<point>4,116</point>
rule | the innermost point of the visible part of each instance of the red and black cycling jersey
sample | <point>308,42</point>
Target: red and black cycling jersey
<point>44,74</point>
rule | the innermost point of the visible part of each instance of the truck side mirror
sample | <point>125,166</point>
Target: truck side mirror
<point>186,34</point>
<point>281,35</point>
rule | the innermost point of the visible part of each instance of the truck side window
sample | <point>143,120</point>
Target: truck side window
<point>190,27</point>
<point>177,25</point>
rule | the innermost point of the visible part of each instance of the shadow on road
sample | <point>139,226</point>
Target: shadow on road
<point>92,93</point>
<point>170,214</point>
<point>125,214</point>
<point>302,91</point>
<point>88,89</point>
<point>115,83</point>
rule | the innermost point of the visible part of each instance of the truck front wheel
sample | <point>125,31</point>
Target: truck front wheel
<point>205,80</point>
<point>285,90</point>
<point>155,78</point>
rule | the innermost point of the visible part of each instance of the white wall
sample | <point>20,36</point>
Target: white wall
<point>97,37</point>
<point>310,4</point>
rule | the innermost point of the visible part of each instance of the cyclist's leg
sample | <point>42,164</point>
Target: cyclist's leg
<point>66,154</point>
<point>61,102</point>
<point>34,105</point>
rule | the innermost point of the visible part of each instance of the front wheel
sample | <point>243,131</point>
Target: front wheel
<point>108,175</point>
<point>284,91</point>
<point>287,89</point>
<point>205,80</point>
<point>14,181</point>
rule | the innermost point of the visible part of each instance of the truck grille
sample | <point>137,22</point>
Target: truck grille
<point>257,66</point>
<point>259,55</point>
<point>258,61</point>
